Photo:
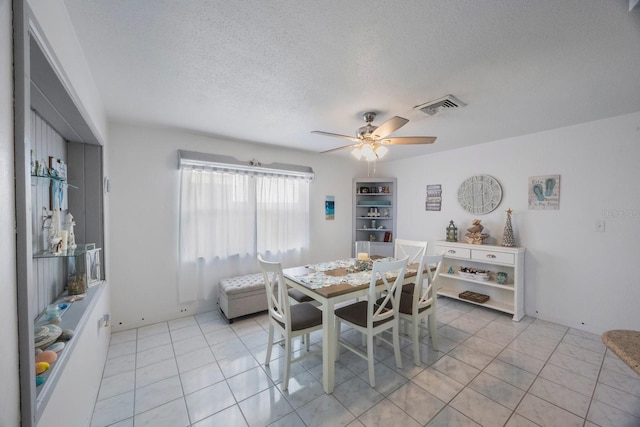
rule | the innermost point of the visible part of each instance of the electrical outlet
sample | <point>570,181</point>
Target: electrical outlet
<point>600,225</point>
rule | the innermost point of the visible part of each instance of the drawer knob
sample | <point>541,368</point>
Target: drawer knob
<point>491,256</point>
<point>451,251</point>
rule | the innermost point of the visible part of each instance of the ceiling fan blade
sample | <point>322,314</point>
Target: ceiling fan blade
<point>390,126</point>
<point>407,140</point>
<point>339,148</point>
<point>335,135</point>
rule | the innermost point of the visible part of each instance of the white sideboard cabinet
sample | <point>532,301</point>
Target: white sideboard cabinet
<point>507,297</point>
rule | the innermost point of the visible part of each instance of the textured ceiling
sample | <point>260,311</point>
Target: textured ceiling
<point>272,71</point>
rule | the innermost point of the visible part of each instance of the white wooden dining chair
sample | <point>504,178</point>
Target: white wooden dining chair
<point>420,303</point>
<point>290,320</point>
<point>415,250</point>
<point>370,318</point>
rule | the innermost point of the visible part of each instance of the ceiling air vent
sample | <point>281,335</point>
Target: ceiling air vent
<point>435,106</point>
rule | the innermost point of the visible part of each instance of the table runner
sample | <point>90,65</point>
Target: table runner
<point>344,272</point>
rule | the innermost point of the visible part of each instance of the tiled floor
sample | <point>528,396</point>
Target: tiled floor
<point>199,371</point>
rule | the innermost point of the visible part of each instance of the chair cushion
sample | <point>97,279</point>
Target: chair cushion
<point>408,288</point>
<point>303,316</point>
<point>406,304</point>
<point>299,296</point>
<point>356,313</point>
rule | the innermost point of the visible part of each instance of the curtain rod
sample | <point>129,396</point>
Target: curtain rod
<point>194,158</point>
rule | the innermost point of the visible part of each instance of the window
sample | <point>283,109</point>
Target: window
<point>230,212</point>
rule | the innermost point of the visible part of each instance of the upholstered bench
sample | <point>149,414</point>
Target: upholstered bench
<point>242,295</point>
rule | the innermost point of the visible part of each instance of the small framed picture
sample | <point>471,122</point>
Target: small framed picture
<point>544,192</point>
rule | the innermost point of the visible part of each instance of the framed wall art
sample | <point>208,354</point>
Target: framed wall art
<point>329,207</point>
<point>434,197</point>
<point>544,192</point>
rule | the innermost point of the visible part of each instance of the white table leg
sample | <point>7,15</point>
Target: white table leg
<point>328,346</point>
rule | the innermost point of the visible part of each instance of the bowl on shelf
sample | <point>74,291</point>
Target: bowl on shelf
<point>474,274</point>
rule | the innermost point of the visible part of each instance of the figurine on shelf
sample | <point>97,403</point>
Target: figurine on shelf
<point>475,235</point>
<point>508,239</point>
<point>71,236</point>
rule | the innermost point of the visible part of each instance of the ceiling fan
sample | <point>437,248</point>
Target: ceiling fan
<point>370,141</point>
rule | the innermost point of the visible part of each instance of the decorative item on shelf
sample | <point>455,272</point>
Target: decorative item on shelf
<point>55,244</point>
<point>76,284</point>
<point>450,270</point>
<point>41,168</point>
<point>475,235</point>
<point>71,237</point>
<point>46,335</point>
<point>46,229</point>
<point>452,232</point>
<point>372,237</point>
<point>474,296</point>
<point>53,311</point>
<point>387,236</point>
<point>474,274</point>
<point>508,239</point>
<point>373,224</point>
<point>385,213</point>
<point>64,240</point>
<point>501,277</point>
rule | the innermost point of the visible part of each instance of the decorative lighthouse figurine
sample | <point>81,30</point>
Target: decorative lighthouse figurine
<point>71,237</point>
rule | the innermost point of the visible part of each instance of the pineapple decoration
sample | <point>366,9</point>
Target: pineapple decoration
<point>507,238</point>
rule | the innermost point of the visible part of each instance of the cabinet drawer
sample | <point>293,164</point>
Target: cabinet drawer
<point>494,257</point>
<point>450,252</point>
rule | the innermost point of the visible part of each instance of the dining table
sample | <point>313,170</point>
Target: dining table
<point>332,283</point>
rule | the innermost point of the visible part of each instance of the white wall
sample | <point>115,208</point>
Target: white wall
<point>52,16</point>
<point>573,275</point>
<point>144,214</point>
<point>10,390</point>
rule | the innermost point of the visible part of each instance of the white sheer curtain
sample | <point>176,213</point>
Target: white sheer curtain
<point>217,230</point>
<point>227,217</point>
<point>282,217</point>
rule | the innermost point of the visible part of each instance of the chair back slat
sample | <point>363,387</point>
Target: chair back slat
<point>380,311</point>
<point>425,295</point>
<point>414,249</point>
<point>277,298</point>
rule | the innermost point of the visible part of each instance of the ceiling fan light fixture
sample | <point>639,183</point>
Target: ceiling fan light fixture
<point>367,152</point>
<point>357,152</point>
<point>381,151</point>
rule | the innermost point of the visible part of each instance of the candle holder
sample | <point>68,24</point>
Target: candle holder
<point>362,251</point>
